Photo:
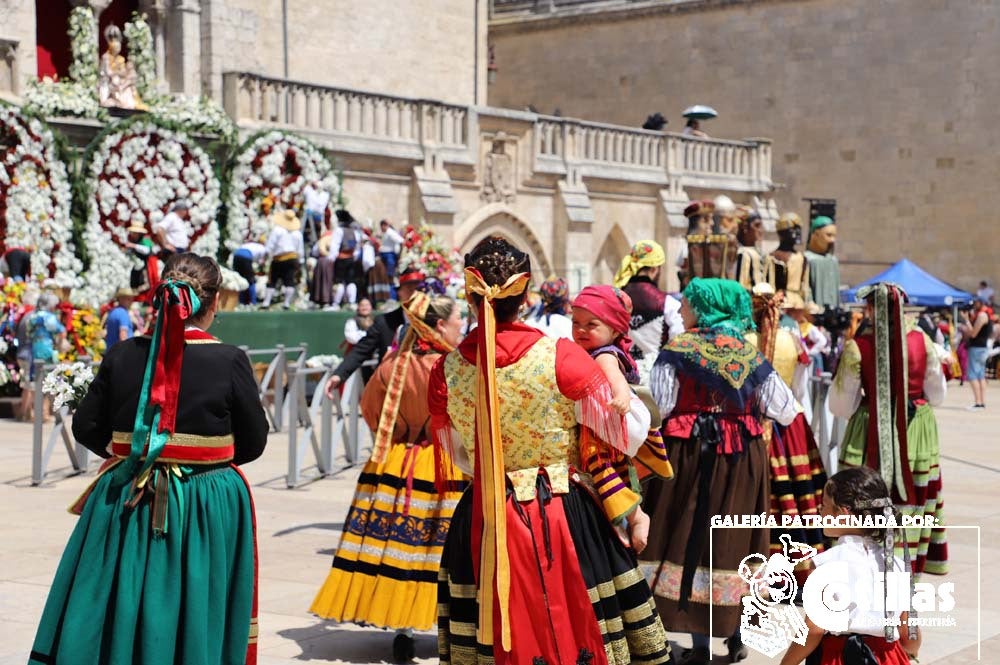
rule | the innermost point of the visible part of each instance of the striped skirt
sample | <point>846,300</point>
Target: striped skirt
<point>386,567</point>
<point>797,480</point>
<point>576,596</point>
<point>928,546</point>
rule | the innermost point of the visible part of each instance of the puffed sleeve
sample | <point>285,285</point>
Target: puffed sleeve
<point>845,392</point>
<point>442,433</point>
<point>664,386</point>
<point>249,423</point>
<point>92,419</point>
<point>935,384</point>
<point>776,400</point>
<point>673,323</point>
<point>374,393</point>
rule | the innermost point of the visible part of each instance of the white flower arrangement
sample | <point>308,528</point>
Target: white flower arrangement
<point>135,175</point>
<point>328,360</point>
<point>35,194</point>
<point>76,96</point>
<point>275,167</point>
<point>196,114</point>
<point>67,384</point>
<point>232,280</point>
<point>143,57</point>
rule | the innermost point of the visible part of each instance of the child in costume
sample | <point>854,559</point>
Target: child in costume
<point>601,316</point>
<point>871,635</point>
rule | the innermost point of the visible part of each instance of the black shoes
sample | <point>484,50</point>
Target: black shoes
<point>403,650</point>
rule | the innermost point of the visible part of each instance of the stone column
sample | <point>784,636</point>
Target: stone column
<point>156,15</point>
<point>184,47</point>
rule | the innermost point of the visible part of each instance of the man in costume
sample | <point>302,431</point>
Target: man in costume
<point>749,264</point>
<point>380,335</point>
<point>655,314</point>
<point>786,268</point>
<point>824,269</point>
<point>286,248</point>
<point>888,378</point>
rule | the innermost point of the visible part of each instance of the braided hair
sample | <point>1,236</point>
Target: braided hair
<point>497,260</point>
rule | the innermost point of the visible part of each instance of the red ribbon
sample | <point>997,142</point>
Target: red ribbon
<point>167,372</point>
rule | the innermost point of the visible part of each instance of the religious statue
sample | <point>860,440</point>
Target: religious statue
<point>787,269</point>
<point>498,172</point>
<point>749,269</point>
<point>824,269</point>
<point>116,86</point>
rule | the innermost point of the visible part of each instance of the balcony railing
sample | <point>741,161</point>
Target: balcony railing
<point>362,122</point>
<point>255,99</point>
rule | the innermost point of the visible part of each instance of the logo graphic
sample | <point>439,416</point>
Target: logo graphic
<point>770,622</point>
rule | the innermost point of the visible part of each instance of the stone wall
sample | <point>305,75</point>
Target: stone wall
<point>887,106</point>
<point>17,26</point>
<point>418,48</point>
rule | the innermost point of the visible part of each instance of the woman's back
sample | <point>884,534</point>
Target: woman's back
<point>218,397</point>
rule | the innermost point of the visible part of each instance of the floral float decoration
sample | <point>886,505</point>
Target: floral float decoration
<point>270,172</point>
<point>67,384</point>
<point>136,171</point>
<point>422,248</point>
<point>35,199</point>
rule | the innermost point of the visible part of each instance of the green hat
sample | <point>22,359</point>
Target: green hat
<point>819,222</point>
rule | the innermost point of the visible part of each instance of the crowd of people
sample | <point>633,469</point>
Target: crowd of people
<point>542,479</point>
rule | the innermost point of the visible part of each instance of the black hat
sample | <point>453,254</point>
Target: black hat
<point>345,217</point>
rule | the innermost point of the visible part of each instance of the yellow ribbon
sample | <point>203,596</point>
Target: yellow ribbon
<point>416,309</point>
<point>494,564</point>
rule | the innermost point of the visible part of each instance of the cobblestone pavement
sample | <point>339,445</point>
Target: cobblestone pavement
<point>299,529</point>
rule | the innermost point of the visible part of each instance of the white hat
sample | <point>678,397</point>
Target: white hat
<point>724,204</point>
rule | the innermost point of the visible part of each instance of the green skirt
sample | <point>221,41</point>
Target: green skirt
<point>928,546</point>
<point>124,595</point>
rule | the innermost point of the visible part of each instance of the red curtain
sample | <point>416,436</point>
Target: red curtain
<point>51,38</point>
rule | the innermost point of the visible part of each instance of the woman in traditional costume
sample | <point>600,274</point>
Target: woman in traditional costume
<point>162,566</point>
<point>532,571</point>
<point>891,371</point>
<point>797,474</point>
<point>714,390</point>
<point>385,570</point>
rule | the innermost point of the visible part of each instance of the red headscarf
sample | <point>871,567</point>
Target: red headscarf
<point>612,306</point>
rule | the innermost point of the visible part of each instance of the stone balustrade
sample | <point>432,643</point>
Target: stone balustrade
<point>259,100</point>
<point>368,123</point>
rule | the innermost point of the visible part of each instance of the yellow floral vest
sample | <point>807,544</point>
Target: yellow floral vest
<point>786,354</point>
<point>538,426</point>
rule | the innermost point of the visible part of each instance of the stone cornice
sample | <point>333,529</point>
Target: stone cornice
<point>604,12</point>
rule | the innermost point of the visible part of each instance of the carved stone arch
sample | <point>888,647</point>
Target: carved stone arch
<point>609,256</point>
<point>500,219</point>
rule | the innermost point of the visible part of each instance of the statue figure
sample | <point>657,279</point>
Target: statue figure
<point>749,264</point>
<point>708,250</point>
<point>824,269</point>
<point>786,268</point>
<point>116,86</point>
<point>498,172</point>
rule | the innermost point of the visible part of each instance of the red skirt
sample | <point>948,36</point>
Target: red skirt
<point>887,653</point>
<point>797,480</point>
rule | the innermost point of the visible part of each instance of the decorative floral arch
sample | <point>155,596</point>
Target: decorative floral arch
<point>136,171</point>
<point>271,170</point>
<point>35,199</point>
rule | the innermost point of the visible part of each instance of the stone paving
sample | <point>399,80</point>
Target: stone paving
<point>299,529</point>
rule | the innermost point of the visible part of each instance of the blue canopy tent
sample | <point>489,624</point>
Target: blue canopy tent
<point>923,288</point>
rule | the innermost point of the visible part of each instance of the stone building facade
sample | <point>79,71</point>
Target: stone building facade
<point>886,106</point>
<point>396,93</point>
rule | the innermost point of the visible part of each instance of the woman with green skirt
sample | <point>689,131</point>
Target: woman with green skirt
<point>888,378</point>
<point>161,569</point>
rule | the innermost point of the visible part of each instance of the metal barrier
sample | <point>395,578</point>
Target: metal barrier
<point>41,451</point>
<point>827,428</point>
<point>272,383</point>
<point>335,425</point>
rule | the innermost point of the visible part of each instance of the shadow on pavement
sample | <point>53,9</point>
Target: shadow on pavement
<point>332,642</point>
